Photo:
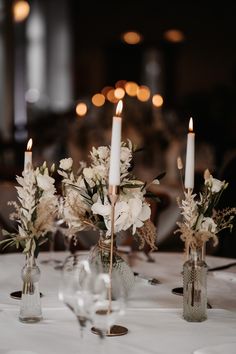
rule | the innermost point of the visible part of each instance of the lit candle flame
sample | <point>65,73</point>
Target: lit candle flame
<point>119,108</point>
<point>29,144</point>
<point>190,127</point>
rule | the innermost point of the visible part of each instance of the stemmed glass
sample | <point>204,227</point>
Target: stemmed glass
<point>84,289</point>
<point>74,288</point>
<point>50,260</point>
<point>106,310</point>
<point>59,228</point>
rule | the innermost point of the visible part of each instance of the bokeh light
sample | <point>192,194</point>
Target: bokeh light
<point>105,90</point>
<point>174,36</point>
<point>131,88</point>
<point>111,96</point>
<point>157,100</point>
<point>98,99</point>
<point>32,95</point>
<point>143,93</point>
<point>21,10</point>
<point>119,93</point>
<point>120,83</point>
<point>132,37</point>
<point>81,109</point>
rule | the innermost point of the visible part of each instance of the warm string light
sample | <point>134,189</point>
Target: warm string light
<point>114,94</point>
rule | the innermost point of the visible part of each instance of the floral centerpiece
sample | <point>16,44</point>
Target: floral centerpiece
<point>87,205</point>
<point>201,221</point>
<point>86,200</point>
<point>35,210</point>
<point>34,214</point>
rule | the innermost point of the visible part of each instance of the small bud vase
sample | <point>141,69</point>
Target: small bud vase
<point>30,304</point>
<point>195,287</point>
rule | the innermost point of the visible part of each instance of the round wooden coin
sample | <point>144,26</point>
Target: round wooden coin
<point>114,331</point>
<point>17,295</point>
<point>178,291</point>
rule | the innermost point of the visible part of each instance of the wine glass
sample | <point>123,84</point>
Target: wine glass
<point>74,288</point>
<point>59,228</point>
<point>108,304</point>
<point>51,260</point>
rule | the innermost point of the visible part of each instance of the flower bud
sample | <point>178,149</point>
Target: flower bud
<point>179,163</point>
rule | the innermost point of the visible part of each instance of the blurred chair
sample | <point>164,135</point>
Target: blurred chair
<point>7,193</point>
<point>166,215</point>
<point>227,239</point>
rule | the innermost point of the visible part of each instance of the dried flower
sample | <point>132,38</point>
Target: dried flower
<point>35,210</point>
<point>86,201</point>
<point>201,221</point>
<point>179,163</point>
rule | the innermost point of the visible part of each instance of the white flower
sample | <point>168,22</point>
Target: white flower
<point>45,182</point>
<point>99,155</point>
<point>101,172</point>
<point>36,207</point>
<point>139,212</point>
<point>101,209</point>
<point>125,154</point>
<point>66,164</point>
<point>208,224</point>
<point>132,212</point>
<point>88,173</point>
<point>103,152</point>
<point>217,185</point>
<point>214,184</point>
<point>86,194</point>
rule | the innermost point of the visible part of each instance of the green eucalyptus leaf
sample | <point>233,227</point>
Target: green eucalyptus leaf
<point>131,185</point>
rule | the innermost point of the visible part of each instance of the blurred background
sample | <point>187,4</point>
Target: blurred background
<point>64,64</point>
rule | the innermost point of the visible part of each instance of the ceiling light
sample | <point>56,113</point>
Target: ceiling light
<point>132,37</point>
<point>174,36</point>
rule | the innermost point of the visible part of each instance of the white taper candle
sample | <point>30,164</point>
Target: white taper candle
<point>190,158</point>
<point>28,156</point>
<point>114,171</point>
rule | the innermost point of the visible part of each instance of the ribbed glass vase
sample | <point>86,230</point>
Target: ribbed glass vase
<point>195,287</point>
<point>30,304</point>
<point>100,257</point>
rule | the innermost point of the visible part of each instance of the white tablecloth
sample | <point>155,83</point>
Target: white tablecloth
<point>153,316</point>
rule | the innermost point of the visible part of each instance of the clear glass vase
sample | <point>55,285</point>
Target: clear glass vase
<point>100,257</point>
<point>195,287</point>
<point>30,304</point>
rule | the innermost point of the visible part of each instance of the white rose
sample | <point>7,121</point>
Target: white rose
<point>66,164</point>
<point>125,154</point>
<point>88,173</point>
<point>45,182</point>
<point>208,224</point>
